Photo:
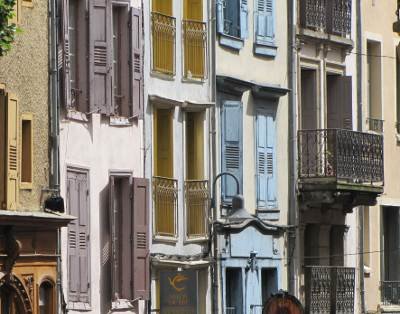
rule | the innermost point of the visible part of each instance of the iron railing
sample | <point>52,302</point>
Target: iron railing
<point>197,198</point>
<point>341,155</point>
<point>164,37</point>
<point>165,196</point>
<point>194,42</point>
<point>230,310</point>
<point>375,125</point>
<point>330,16</point>
<point>329,290</point>
<point>390,292</point>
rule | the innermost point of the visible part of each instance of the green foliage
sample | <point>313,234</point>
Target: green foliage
<point>7,30</point>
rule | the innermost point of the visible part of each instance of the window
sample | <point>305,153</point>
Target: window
<point>46,298</point>
<point>196,188</point>
<point>264,28</point>
<point>26,151</point>
<point>269,283</point>
<point>163,37</point>
<point>194,39</point>
<point>233,290</point>
<point>165,187</point>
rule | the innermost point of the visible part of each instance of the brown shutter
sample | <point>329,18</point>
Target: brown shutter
<point>100,56</point>
<point>63,54</point>
<point>114,269</point>
<point>12,152</point>
<point>347,101</point>
<point>141,275</point>
<point>137,62</point>
<point>339,96</point>
<point>124,54</point>
<point>82,98</point>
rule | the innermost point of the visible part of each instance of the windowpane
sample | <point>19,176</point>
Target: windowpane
<point>234,291</point>
<point>232,18</point>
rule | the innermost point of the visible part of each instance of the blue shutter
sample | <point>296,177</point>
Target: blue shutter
<point>244,18</point>
<point>220,16</point>
<point>266,162</point>
<point>231,147</point>
<point>265,24</point>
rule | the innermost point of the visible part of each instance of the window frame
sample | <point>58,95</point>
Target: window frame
<point>26,185</point>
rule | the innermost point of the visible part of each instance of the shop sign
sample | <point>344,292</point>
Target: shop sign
<point>178,292</point>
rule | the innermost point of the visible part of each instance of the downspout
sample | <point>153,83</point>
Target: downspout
<point>359,128</point>
<point>54,133</point>
<point>292,145</point>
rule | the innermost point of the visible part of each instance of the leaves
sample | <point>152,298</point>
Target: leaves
<point>7,29</point>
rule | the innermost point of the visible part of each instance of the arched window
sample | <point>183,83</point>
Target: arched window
<point>46,298</point>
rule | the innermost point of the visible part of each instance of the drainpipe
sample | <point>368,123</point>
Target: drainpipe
<point>292,145</point>
<point>54,133</point>
<point>359,128</point>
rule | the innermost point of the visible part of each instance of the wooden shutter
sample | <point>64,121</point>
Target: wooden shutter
<point>244,15</point>
<point>100,56</point>
<point>141,275</point>
<point>63,54</point>
<point>231,147</point>
<point>265,28</point>
<point>220,16</point>
<point>266,161</point>
<point>340,108</point>
<point>137,62</point>
<point>113,219</point>
<point>193,10</point>
<point>82,97</point>
<point>12,152</point>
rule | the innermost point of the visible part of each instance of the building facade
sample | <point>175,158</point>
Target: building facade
<point>105,250</point>
<point>29,263</point>
<point>251,123</point>
<point>178,98</point>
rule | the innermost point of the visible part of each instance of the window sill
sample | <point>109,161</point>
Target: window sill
<point>119,121</point>
<point>159,238</point>
<point>28,4</point>
<point>231,42</point>
<point>121,304</point>
<point>79,306</point>
<point>193,80</point>
<point>189,240</point>
<point>26,186</point>
<point>77,115</point>
<point>163,76</point>
<point>265,49</point>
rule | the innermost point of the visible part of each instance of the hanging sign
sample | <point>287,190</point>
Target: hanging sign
<point>178,292</point>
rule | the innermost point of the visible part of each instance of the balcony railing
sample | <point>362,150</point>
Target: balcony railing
<point>375,125</point>
<point>230,310</point>
<point>164,36</point>
<point>194,42</point>
<point>197,198</point>
<point>329,290</point>
<point>341,155</point>
<point>165,196</point>
<point>329,16</point>
<point>390,291</point>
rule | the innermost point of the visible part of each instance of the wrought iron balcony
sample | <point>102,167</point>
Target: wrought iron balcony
<point>375,125</point>
<point>328,16</point>
<point>164,37</point>
<point>194,42</point>
<point>165,196</point>
<point>329,290</point>
<point>390,292</point>
<point>197,203</point>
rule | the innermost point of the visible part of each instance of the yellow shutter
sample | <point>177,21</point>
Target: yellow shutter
<point>163,6</point>
<point>17,13</point>
<point>195,146</point>
<point>193,10</point>
<point>164,144</point>
<point>11,152</point>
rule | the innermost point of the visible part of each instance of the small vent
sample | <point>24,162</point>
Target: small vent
<point>136,63</point>
<point>270,164</point>
<point>72,239</point>
<point>232,157</point>
<point>82,240</point>
<point>12,158</point>
<point>100,56</point>
<point>261,163</point>
<point>141,240</point>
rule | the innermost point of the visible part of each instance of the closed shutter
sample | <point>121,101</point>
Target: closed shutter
<point>11,152</point>
<point>340,107</point>
<point>141,275</point>
<point>64,60</point>
<point>137,62</point>
<point>113,219</point>
<point>220,16</point>
<point>244,16</point>
<point>265,25</point>
<point>266,162</point>
<point>100,56</point>
<point>81,92</point>
<point>231,147</point>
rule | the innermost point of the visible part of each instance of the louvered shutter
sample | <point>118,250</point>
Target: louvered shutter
<point>265,25</point>
<point>113,219</point>
<point>64,57</point>
<point>82,97</point>
<point>244,16</point>
<point>11,152</point>
<point>266,162</point>
<point>347,101</point>
<point>125,241</point>
<point>141,275</point>
<point>340,105</point>
<point>231,147</point>
<point>100,56</point>
<point>137,62</point>
<point>220,16</point>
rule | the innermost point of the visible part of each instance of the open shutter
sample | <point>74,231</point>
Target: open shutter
<point>265,26</point>
<point>244,16</point>
<point>64,57</point>
<point>100,56</point>
<point>220,16</point>
<point>231,147</point>
<point>141,276</point>
<point>340,108</point>
<point>137,62</point>
<point>12,152</point>
<point>270,162</point>
<point>113,219</point>
<point>346,92</point>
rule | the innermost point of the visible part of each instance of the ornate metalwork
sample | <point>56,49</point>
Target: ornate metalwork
<point>390,292</point>
<point>194,42</point>
<point>197,204</point>
<point>342,155</point>
<point>313,14</point>
<point>165,195</point>
<point>329,290</point>
<point>375,125</point>
<point>341,17</point>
